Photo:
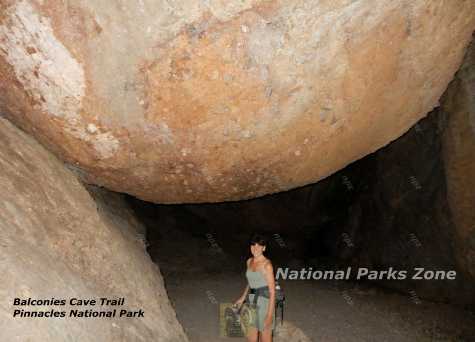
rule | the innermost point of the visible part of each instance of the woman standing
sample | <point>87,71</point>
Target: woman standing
<point>260,274</point>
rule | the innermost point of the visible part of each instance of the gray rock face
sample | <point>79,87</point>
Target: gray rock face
<point>58,242</point>
<point>205,101</point>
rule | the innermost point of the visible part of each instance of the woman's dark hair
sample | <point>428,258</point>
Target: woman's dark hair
<point>259,238</point>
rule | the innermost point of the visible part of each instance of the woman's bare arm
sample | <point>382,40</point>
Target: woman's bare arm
<point>269,275</point>
<point>246,290</point>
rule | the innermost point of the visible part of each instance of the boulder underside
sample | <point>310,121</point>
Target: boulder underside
<point>193,101</point>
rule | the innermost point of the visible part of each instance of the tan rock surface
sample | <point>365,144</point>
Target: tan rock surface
<point>196,101</point>
<point>58,242</point>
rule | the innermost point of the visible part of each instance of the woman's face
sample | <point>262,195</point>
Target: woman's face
<point>257,249</point>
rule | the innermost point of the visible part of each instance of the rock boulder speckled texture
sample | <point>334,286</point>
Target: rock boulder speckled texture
<point>204,101</point>
<point>56,241</point>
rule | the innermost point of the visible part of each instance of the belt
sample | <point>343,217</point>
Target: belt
<point>259,291</point>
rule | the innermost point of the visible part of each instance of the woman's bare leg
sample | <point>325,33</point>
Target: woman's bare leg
<point>252,334</point>
<point>266,335</point>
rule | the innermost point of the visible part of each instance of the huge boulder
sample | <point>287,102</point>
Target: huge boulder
<point>204,101</point>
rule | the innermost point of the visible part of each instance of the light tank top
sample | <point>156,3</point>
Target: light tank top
<point>255,279</point>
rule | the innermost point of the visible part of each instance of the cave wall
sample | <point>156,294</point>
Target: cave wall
<point>459,156</point>
<point>207,101</point>
<point>400,217</point>
<point>59,239</point>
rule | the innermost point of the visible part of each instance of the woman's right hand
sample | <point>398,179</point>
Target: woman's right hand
<point>239,302</point>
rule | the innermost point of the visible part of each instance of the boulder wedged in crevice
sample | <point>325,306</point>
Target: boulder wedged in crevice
<point>190,101</point>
